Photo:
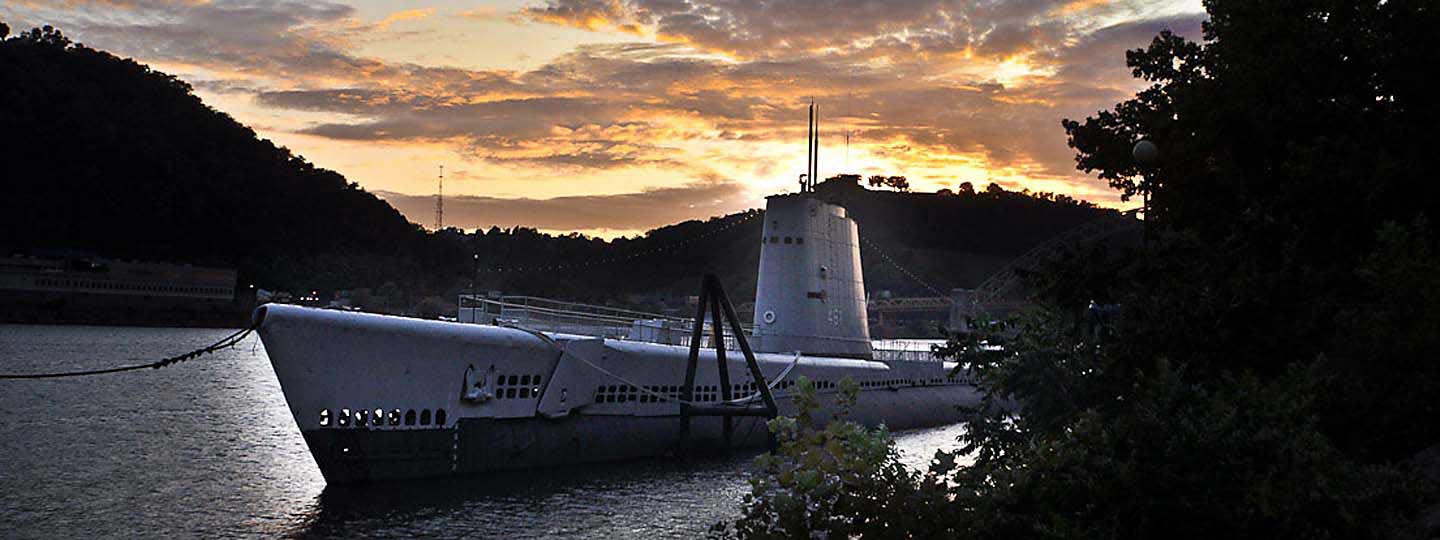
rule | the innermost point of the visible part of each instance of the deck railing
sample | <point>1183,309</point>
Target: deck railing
<point>557,316</point>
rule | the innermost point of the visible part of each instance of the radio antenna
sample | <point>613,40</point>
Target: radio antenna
<point>809,149</point>
<point>815,143</point>
<point>440,201</point>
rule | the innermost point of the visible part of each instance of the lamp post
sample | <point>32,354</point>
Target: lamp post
<point>474,282</point>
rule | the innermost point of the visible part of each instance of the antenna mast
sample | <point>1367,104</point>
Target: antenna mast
<point>440,201</point>
<point>815,144</point>
<point>809,149</point>
<point>812,150</point>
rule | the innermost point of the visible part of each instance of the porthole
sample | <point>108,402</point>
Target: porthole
<point>769,317</point>
<point>425,417</point>
<point>324,417</point>
<point>439,417</point>
<point>410,417</point>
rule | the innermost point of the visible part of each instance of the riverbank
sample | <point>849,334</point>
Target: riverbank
<point>222,316</point>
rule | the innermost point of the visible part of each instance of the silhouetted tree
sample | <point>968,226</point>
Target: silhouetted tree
<point>897,183</point>
<point>1262,367</point>
<point>1283,158</point>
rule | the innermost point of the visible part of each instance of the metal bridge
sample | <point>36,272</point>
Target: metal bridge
<point>992,295</point>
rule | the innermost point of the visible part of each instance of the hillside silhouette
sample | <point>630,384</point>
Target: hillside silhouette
<point>107,157</point>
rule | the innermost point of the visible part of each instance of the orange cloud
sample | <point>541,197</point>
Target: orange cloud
<point>406,15</point>
<point>1077,6</point>
<point>482,13</point>
<point>942,91</point>
<point>591,15</point>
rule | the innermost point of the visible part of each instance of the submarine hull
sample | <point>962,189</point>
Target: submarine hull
<point>385,398</point>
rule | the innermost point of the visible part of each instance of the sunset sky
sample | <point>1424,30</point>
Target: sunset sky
<point>610,117</point>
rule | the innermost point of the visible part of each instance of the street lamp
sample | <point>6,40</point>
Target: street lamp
<point>474,281</point>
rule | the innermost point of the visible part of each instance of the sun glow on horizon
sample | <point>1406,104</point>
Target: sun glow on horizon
<point>610,118</point>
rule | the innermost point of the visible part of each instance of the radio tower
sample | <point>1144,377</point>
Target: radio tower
<point>440,201</point>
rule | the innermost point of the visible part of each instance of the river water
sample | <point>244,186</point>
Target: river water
<point>208,449</point>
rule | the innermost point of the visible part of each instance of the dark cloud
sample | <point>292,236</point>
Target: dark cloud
<point>246,35</point>
<point>590,14</point>
<point>408,116</point>
<point>1099,56</point>
<point>624,212</point>
<point>620,82</point>
<point>770,29</point>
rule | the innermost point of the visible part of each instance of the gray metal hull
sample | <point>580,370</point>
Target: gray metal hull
<point>384,398</point>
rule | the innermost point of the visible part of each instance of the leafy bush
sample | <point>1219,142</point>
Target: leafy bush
<point>1157,457</point>
<point>840,480</point>
<point>1157,453</point>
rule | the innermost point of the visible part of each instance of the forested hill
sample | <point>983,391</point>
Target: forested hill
<point>944,239</point>
<point>104,156</point>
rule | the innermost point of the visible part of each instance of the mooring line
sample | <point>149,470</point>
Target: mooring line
<point>225,343</point>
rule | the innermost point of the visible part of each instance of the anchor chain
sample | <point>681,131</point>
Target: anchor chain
<point>224,343</point>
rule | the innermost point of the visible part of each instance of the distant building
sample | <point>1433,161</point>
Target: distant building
<point>99,291</point>
<point>89,276</point>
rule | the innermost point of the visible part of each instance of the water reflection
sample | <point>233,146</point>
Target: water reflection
<point>661,498</point>
<point>655,499</point>
<point>208,448</point>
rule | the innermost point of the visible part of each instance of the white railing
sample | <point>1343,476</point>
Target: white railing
<point>905,350</point>
<point>556,316</point>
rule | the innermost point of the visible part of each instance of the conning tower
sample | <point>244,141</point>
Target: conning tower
<point>810,294</point>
